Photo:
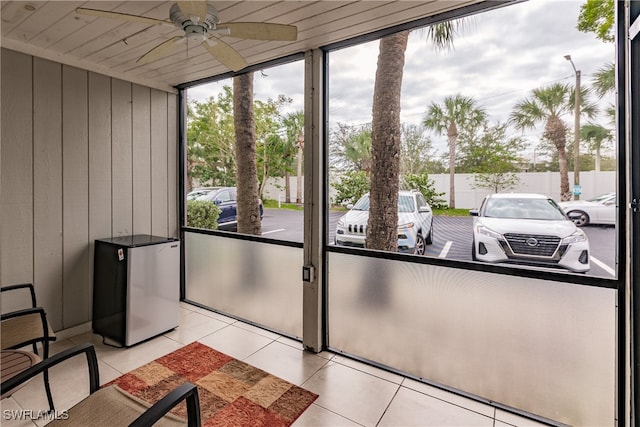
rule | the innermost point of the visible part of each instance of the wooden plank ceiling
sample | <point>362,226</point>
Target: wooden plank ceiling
<point>53,30</point>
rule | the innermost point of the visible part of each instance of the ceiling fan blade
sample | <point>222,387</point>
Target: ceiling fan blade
<point>260,31</point>
<point>160,51</point>
<point>194,9</point>
<point>122,16</point>
<point>225,54</point>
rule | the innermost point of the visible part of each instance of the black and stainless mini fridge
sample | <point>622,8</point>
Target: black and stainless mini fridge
<point>136,287</point>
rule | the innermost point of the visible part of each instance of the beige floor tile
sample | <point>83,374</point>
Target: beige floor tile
<point>353,394</point>
<point>298,344</point>
<point>515,420</point>
<point>316,416</point>
<point>194,326</point>
<point>360,366</point>
<point>127,359</point>
<point>411,408</point>
<point>236,342</point>
<point>456,399</point>
<point>13,414</point>
<point>258,330</point>
<point>288,363</point>
<point>214,315</point>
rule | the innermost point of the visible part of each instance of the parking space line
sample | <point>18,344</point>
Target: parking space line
<point>273,231</point>
<point>603,266</point>
<point>445,250</point>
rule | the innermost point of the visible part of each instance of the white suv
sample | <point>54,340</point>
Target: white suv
<point>415,223</point>
<point>528,229</point>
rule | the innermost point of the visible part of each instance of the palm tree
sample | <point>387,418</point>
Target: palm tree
<point>382,231</point>
<point>596,136</point>
<point>548,105</point>
<point>246,169</point>
<point>455,113</point>
<point>294,124</point>
<point>604,80</point>
<point>385,138</point>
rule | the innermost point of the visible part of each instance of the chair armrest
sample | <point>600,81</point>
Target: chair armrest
<point>186,391</point>
<point>92,361</point>
<point>22,286</point>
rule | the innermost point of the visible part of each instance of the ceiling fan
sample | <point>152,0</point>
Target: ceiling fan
<point>201,24</point>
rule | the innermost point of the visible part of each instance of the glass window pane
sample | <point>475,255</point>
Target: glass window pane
<point>212,161</point>
<point>494,112</point>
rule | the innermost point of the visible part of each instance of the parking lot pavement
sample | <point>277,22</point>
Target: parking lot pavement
<point>452,237</point>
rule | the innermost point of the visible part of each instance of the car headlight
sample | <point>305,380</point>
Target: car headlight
<point>576,237</point>
<point>340,222</point>
<point>405,226</point>
<point>481,229</point>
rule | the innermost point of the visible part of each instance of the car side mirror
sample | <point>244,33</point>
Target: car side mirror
<point>217,201</point>
<point>350,206</point>
<point>473,212</point>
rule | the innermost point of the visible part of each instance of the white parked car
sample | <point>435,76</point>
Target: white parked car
<point>415,223</point>
<point>528,229</point>
<point>599,210</point>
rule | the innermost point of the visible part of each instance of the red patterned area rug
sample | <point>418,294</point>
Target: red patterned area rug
<point>231,392</point>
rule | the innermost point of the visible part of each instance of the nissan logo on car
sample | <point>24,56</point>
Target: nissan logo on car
<point>532,241</point>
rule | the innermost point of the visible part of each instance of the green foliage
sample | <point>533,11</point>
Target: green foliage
<point>488,149</point>
<point>352,186</point>
<point>415,150</point>
<point>598,16</point>
<point>211,156</point>
<point>426,186</point>
<point>202,214</point>
<point>351,148</point>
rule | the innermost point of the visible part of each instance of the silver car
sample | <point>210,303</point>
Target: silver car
<point>415,223</point>
<point>599,210</point>
<point>527,229</point>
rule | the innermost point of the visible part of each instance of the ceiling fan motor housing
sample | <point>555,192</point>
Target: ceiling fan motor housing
<point>186,23</point>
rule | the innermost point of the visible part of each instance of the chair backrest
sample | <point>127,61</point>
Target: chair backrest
<point>27,328</point>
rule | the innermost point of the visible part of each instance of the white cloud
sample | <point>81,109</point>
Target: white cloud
<point>499,57</point>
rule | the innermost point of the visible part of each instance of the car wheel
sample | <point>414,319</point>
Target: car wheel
<point>429,239</point>
<point>473,251</point>
<point>419,245</point>
<point>579,218</point>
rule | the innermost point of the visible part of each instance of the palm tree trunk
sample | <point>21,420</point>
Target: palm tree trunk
<point>287,187</point>
<point>382,232</point>
<point>565,194</point>
<point>246,172</point>
<point>300,144</point>
<point>452,136</point>
<point>598,159</point>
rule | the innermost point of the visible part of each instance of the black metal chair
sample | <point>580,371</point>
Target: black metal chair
<point>112,406</point>
<point>27,327</point>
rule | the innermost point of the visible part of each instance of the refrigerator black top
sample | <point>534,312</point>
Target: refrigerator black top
<point>137,240</point>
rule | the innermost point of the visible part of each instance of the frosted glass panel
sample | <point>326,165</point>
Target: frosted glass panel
<point>256,281</point>
<point>543,347</point>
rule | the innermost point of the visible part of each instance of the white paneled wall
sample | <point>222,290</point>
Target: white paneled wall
<point>83,157</point>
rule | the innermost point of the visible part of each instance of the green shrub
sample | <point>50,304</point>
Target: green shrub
<point>351,187</point>
<point>202,214</point>
<point>426,186</point>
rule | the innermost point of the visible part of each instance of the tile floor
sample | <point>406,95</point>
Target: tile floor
<point>350,393</point>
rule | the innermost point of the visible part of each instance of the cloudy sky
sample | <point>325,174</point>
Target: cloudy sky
<point>499,57</point>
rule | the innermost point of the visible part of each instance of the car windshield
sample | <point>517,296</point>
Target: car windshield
<point>405,204</point>
<point>523,208</point>
<point>601,198</point>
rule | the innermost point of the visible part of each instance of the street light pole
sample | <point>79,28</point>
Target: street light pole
<point>576,136</point>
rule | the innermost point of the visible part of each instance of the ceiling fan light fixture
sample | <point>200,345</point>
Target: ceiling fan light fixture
<point>195,33</point>
<point>178,17</point>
